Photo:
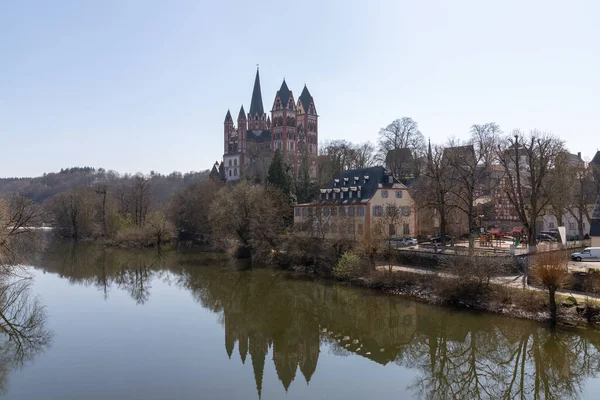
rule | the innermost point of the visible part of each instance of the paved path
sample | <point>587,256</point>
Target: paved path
<point>515,281</point>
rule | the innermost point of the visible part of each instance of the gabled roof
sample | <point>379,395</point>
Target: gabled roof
<point>242,114</point>
<point>228,117</point>
<point>305,98</point>
<point>256,104</point>
<point>596,159</point>
<point>369,180</point>
<point>284,94</point>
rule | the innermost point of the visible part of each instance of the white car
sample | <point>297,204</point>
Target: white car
<point>589,254</point>
<point>410,241</point>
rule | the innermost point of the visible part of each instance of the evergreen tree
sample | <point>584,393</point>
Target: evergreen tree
<point>304,187</point>
<point>279,173</point>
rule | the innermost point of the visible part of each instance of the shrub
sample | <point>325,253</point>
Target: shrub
<point>551,270</point>
<point>348,266</point>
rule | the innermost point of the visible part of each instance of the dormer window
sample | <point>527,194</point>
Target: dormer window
<point>391,178</point>
<point>366,178</point>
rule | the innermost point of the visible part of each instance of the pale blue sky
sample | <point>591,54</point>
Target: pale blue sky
<point>145,85</point>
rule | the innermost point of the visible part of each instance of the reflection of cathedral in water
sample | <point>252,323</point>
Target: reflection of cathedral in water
<point>293,349</point>
<point>295,342</point>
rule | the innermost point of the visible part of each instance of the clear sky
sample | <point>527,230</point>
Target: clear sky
<point>144,85</point>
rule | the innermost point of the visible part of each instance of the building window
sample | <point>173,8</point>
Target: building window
<point>230,162</point>
<point>384,194</point>
<point>297,211</point>
<point>235,161</point>
<point>334,211</point>
<point>360,229</point>
<point>351,211</point>
<point>229,172</point>
<point>550,225</point>
<point>235,172</point>
<point>571,226</point>
<point>398,194</point>
<point>406,211</point>
<point>326,212</point>
<point>391,179</point>
<point>377,211</point>
<point>361,211</point>
<point>583,225</point>
<point>304,212</point>
<point>406,229</point>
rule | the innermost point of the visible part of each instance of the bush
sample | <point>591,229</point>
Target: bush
<point>348,266</point>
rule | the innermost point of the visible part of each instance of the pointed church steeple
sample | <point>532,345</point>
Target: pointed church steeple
<point>305,99</point>
<point>256,105</point>
<point>284,93</point>
<point>268,122</point>
<point>228,118</point>
<point>242,114</point>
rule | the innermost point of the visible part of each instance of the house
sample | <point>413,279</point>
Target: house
<point>569,222</point>
<point>595,225</point>
<point>359,201</point>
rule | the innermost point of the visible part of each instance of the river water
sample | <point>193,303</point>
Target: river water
<point>105,323</point>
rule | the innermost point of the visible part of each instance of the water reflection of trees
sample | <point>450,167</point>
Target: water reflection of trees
<point>22,326</point>
<point>459,355</point>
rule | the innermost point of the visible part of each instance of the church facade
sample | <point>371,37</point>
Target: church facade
<point>292,127</point>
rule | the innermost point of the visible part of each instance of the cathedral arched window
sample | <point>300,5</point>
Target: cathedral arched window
<point>230,163</point>
<point>229,172</point>
<point>235,161</point>
<point>235,172</point>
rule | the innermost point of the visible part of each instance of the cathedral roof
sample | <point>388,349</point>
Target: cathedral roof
<point>242,114</point>
<point>284,94</point>
<point>259,135</point>
<point>305,98</point>
<point>228,117</point>
<point>256,105</point>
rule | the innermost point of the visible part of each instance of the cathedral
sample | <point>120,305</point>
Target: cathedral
<point>292,127</point>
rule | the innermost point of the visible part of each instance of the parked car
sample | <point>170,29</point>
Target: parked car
<point>590,253</point>
<point>438,239</point>
<point>543,237</point>
<point>410,241</point>
<point>554,234</point>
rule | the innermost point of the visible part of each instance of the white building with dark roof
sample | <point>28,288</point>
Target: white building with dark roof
<point>359,201</point>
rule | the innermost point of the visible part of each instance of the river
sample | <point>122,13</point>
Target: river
<point>107,323</point>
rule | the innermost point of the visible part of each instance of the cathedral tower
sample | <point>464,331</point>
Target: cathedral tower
<point>257,119</point>
<point>227,131</point>
<point>307,126</point>
<point>283,124</point>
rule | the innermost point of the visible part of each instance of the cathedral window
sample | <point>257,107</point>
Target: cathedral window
<point>229,172</point>
<point>235,172</point>
<point>235,162</point>
<point>230,163</point>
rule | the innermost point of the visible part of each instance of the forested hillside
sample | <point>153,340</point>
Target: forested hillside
<point>46,186</point>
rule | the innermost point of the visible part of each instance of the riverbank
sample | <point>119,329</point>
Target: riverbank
<point>436,289</point>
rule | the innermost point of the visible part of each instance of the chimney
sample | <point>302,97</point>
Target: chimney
<point>579,155</point>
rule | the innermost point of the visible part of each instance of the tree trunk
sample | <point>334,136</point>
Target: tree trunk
<point>471,227</point>
<point>552,299</point>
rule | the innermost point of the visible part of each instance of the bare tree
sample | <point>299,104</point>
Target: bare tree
<point>401,136</point>
<point>434,189</point>
<point>468,166</point>
<point>528,161</point>
<point>18,216</point>
<point>140,194</point>
<point>551,270</point>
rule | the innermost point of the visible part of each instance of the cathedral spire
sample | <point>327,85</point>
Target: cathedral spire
<point>242,114</point>
<point>228,117</point>
<point>256,105</point>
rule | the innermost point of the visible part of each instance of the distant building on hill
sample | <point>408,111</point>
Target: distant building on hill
<point>291,128</point>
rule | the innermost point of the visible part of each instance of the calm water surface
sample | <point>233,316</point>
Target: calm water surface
<point>183,325</point>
